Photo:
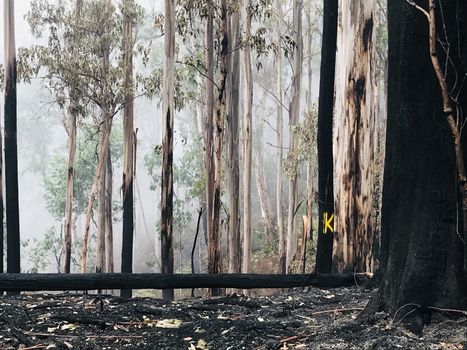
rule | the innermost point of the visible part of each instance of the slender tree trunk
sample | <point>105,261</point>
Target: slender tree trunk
<point>232,146</point>
<point>279,140</point>
<point>71,130</point>
<point>354,139</point>
<point>262,186</point>
<point>128,149</point>
<point>167,146</point>
<point>294,115</point>
<point>208,142</point>
<point>422,247</point>
<point>247,139</point>
<point>325,154</point>
<point>2,238</point>
<point>11,149</point>
<point>102,203</point>
<point>92,197</point>
<point>109,252</point>
<point>214,251</point>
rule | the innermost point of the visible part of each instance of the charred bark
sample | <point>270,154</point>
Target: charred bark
<point>325,118</point>
<point>11,148</point>
<point>167,255</point>
<point>128,149</point>
<point>422,251</point>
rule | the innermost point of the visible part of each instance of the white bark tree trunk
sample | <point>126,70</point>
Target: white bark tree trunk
<point>294,115</point>
<point>354,137</point>
<point>247,134</point>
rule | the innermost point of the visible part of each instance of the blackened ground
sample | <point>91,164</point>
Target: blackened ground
<point>298,319</point>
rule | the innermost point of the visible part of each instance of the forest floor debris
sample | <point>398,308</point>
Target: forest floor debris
<point>299,319</point>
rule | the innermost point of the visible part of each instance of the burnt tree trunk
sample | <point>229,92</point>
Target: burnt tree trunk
<point>11,149</point>
<point>324,144</point>
<point>354,128</point>
<point>128,149</point>
<point>422,252</point>
<point>167,255</point>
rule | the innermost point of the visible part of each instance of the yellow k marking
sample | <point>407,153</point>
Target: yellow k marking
<point>328,223</point>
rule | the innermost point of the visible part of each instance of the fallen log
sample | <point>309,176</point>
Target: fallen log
<point>94,281</point>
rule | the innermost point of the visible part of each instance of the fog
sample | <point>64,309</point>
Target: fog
<point>41,134</point>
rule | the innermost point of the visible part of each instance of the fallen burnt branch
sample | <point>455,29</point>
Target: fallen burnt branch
<point>94,281</point>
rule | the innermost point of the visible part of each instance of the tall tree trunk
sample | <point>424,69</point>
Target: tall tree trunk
<point>167,146</point>
<point>94,190</point>
<point>71,130</point>
<point>109,252</point>
<point>214,251</point>
<point>280,141</point>
<point>232,146</point>
<point>354,139</point>
<point>102,203</point>
<point>106,122</point>
<point>423,251</point>
<point>1,208</point>
<point>325,155</point>
<point>247,138</point>
<point>261,184</point>
<point>128,149</point>
<point>11,149</point>
<point>294,115</point>
<point>208,142</point>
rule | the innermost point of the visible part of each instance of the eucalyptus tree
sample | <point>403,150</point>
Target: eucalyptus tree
<point>294,115</point>
<point>90,72</point>
<point>354,127</point>
<point>247,136</point>
<point>168,85</point>
<point>128,148</point>
<point>324,138</point>
<point>11,150</point>
<point>423,260</point>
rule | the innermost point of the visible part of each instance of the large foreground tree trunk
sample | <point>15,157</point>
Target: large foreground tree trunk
<point>422,250</point>
<point>354,138</point>
<point>11,150</point>
<point>324,144</point>
<point>167,256</point>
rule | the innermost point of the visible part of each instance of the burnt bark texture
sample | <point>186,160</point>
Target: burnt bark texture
<point>11,149</point>
<point>167,255</point>
<point>354,126</point>
<point>128,149</point>
<point>324,144</point>
<point>422,251</point>
<point>214,247</point>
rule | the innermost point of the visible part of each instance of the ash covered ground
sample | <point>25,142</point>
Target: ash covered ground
<point>296,319</point>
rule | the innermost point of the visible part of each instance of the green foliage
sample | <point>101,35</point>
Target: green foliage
<point>42,252</point>
<point>306,132</point>
<point>55,177</point>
